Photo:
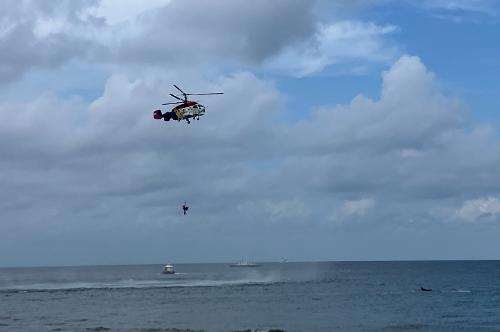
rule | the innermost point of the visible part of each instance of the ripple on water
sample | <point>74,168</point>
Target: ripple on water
<point>406,327</point>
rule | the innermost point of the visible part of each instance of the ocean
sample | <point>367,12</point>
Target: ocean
<point>325,296</point>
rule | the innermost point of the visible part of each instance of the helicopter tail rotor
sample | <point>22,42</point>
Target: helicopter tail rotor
<point>157,115</point>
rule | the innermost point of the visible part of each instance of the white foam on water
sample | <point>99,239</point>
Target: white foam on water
<point>129,283</point>
<point>461,291</point>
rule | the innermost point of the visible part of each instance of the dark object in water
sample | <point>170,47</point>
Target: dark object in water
<point>425,289</point>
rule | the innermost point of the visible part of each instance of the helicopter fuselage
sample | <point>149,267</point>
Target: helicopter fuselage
<point>184,111</point>
<point>191,109</point>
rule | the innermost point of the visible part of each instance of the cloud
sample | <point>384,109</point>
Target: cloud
<point>456,11</point>
<point>43,34</point>
<point>112,148</point>
<point>458,6</point>
<point>407,145</point>
<point>358,207</point>
<point>405,150</point>
<point>105,169</point>
<point>119,11</point>
<point>337,43</point>
<point>480,6</point>
<point>460,11</point>
<point>157,33</point>
<point>481,209</point>
<point>289,36</point>
<point>169,35</point>
<point>263,37</point>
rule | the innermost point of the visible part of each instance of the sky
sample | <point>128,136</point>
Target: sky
<point>348,130</point>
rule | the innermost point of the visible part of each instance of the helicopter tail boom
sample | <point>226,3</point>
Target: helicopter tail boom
<point>167,116</point>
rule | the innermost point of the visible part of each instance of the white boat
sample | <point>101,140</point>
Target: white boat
<point>244,264</point>
<point>168,269</point>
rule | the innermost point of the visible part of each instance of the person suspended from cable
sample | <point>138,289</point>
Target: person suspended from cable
<point>185,208</point>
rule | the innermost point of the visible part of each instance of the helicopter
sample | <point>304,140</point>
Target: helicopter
<point>185,109</point>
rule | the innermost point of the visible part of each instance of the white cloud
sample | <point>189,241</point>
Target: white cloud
<point>489,7</point>
<point>118,11</point>
<point>358,207</point>
<point>92,168</point>
<point>283,35</point>
<point>481,209</point>
<point>44,34</point>
<point>482,6</point>
<point>337,43</point>
<point>460,11</point>
<point>287,209</point>
<point>406,146</point>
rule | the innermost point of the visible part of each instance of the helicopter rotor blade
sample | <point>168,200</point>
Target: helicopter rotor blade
<point>179,89</point>
<point>177,102</point>
<point>176,97</point>
<point>204,94</point>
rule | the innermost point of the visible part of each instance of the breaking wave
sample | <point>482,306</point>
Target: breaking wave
<point>131,284</point>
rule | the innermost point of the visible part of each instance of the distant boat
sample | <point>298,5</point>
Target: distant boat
<point>244,264</point>
<point>168,269</point>
<point>284,260</point>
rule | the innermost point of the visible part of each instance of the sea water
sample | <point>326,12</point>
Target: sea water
<point>327,296</point>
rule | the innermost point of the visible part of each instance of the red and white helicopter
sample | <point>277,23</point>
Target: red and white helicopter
<point>185,109</point>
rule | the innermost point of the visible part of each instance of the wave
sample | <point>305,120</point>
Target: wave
<point>102,328</point>
<point>405,327</point>
<point>130,284</point>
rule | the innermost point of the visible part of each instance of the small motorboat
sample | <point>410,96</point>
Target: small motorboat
<point>168,269</point>
<point>244,264</point>
<point>425,289</point>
